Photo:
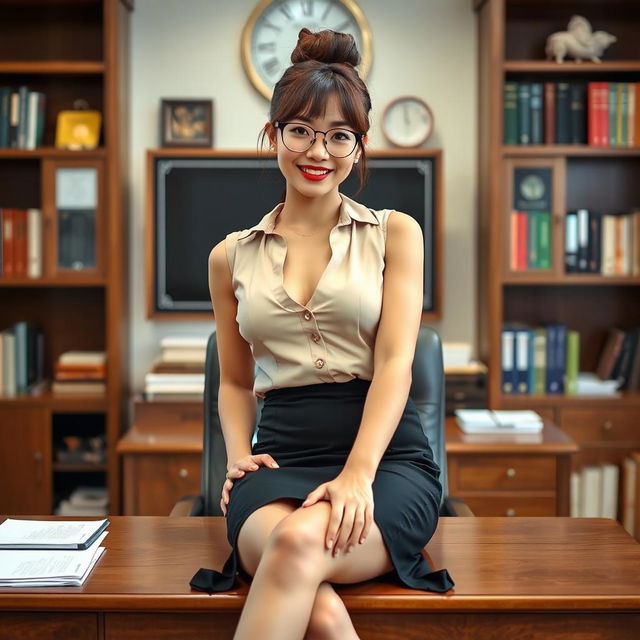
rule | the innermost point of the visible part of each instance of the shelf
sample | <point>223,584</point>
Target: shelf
<point>567,150</point>
<point>547,66</point>
<point>571,280</point>
<point>53,152</point>
<point>67,467</point>
<point>68,281</point>
<point>58,403</point>
<point>625,399</point>
<point>60,67</point>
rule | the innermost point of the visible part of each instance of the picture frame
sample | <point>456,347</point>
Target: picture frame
<point>186,122</point>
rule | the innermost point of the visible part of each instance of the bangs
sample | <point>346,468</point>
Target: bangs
<point>309,99</point>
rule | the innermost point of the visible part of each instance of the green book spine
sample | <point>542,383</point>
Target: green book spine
<point>544,240</point>
<point>511,113</point>
<point>572,364</point>
<point>540,361</point>
<point>613,91</point>
<point>624,114</point>
<point>532,249</point>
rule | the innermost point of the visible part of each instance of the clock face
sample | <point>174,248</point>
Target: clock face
<point>271,34</point>
<point>407,122</point>
<point>532,188</point>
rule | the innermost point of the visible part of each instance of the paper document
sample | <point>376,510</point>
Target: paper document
<point>50,534</point>
<point>44,568</point>
<point>484,421</point>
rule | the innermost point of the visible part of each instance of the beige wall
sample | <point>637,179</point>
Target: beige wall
<point>422,47</point>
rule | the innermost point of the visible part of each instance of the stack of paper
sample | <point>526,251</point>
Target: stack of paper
<point>487,421</point>
<point>48,553</point>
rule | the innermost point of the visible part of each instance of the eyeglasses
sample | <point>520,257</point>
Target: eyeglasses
<point>298,137</point>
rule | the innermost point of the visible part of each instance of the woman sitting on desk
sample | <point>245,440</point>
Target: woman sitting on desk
<point>326,295</point>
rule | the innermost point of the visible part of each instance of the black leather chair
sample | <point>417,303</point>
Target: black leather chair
<point>427,392</point>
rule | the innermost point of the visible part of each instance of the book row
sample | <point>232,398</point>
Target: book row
<point>22,115</point>
<point>546,360</point>
<point>21,358</point>
<point>601,114</point>
<point>602,243</point>
<point>21,241</point>
<point>605,244</point>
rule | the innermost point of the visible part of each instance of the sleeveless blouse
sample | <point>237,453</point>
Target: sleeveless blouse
<point>332,338</point>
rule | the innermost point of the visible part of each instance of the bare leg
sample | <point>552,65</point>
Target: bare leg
<point>293,565</point>
<point>329,617</point>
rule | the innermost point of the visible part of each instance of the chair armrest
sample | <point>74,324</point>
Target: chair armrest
<point>456,507</point>
<point>187,506</point>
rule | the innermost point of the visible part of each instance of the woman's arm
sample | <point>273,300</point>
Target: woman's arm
<point>395,343</point>
<point>236,401</point>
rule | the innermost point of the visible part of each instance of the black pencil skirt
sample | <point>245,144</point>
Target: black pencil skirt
<point>309,431</point>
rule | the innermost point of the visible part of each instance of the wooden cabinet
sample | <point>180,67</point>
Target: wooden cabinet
<point>154,482</point>
<point>76,49</point>
<point>523,475</point>
<point>511,42</point>
<point>161,456</point>
<point>25,461</point>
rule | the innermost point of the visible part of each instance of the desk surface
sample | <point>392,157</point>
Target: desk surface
<point>535,564</point>
<point>551,440</point>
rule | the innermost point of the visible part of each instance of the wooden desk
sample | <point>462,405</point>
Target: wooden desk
<point>496,476</point>
<point>511,475</point>
<point>515,577</point>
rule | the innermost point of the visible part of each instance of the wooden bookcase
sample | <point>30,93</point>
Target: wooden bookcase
<point>67,49</point>
<point>511,40</point>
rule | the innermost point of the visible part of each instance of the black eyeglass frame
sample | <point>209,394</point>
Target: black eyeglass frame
<point>281,125</point>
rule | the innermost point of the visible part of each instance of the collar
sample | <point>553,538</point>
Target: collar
<point>349,210</point>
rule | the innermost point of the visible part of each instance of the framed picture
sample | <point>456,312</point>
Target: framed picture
<point>186,123</point>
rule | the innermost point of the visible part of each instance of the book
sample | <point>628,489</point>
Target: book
<point>589,384</point>
<point>50,534</point>
<point>486,421</point>
<point>46,568</point>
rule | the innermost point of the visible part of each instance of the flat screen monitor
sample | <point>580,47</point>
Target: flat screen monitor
<point>199,200</point>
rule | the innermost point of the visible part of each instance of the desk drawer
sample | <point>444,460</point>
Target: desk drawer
<point>505,472</point>
<point>511,505</point>
<point>35,625</point>
<point>600,425</point>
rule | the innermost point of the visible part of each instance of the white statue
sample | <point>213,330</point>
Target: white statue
<point>579,41</point>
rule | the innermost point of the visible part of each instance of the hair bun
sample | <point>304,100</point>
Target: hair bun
<point>326,46</point>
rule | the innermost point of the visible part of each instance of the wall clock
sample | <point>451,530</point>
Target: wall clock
<point>271,33</point>
<point>407,122</point>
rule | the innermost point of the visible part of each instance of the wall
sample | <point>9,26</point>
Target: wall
<point>190,48</point>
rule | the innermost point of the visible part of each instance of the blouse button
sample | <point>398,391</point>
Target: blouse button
<point>319,363</point>
<point>315,337</point>
<point>307,315</point>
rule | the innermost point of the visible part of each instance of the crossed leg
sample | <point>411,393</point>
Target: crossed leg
<point>282,546</point>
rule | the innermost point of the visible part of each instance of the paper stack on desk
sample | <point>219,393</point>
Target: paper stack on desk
<point>486,421</point>
<point>49,553</point>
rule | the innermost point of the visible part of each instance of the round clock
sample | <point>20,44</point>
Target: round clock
<point>407,122</point>
<point>271,34</point>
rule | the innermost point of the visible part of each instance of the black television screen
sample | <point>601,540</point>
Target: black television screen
<point>199,200</point>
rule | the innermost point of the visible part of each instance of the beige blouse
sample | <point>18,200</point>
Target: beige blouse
<point>332,338</point>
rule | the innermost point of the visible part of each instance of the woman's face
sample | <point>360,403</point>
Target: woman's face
<point>303,170</point>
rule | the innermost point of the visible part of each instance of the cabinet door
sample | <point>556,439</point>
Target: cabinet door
<point>25,461</point>
<point>154,482</point>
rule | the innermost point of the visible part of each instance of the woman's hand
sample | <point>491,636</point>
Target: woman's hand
<point>238,469</point>
<point>351,498</point>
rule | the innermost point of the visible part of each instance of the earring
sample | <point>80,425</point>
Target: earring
<point>356,161</point>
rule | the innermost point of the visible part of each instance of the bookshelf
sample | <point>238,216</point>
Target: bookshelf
<point>67,49</point>
<point>512,36</point>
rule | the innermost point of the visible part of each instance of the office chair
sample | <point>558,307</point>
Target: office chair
<point>427,392</point>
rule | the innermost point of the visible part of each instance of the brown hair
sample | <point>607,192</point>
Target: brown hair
<point>323,64</point>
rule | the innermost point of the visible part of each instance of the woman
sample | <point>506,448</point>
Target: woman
<point>325,296</point>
